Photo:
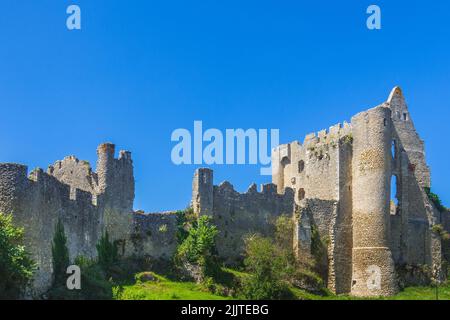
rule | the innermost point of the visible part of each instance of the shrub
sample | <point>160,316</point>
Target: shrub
<point>439,230</point>
<point>107,252</point>
<point>435,199</point>
<point>185,218</point>
<point>267,267</point>
<point>60,255</point>
<point>16,266</point>
<point>198,248</point>
<point>273,265</point>
<point>94,285</point>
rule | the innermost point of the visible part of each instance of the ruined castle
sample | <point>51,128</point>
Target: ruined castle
<point>335,185</point>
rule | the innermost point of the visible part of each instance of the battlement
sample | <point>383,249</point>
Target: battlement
<point>265,189</point>
<point>330,136</point>
<point>337,181</point>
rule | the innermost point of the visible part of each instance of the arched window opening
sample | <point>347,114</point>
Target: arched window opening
<point>285,161</point>
<point>301,166</point>
<point>394,149</point>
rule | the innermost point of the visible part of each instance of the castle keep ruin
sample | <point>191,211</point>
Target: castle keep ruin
<point>336,185</point>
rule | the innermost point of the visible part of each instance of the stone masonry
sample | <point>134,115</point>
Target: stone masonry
<point>338,181</point>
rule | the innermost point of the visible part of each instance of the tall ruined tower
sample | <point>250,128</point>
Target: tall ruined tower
<point>373,267</point>
<point>203,192</point>
<point>105,166</point>
<point>115,177</point>
<point>115,192</point>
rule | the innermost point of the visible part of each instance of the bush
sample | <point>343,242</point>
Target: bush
<point>273,265</point>
<point>107,253</point>
<point>94,285</point>
<point>185,218</point>
<point>16,266</point>
<point>197,251</point>
<point>95,274</point>
<point>268,269</point>
<point>60,255</point>
<point>435,199</point>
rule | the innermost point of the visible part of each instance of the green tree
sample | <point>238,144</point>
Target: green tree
<point>267,267</point>
<point>60,254</point>
<point>198,247</point>
<point>107,252</point>
<point>16,266</point>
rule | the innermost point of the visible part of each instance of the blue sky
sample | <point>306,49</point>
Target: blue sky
<point>140,69</point>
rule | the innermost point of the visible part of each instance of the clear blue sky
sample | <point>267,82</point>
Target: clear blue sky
<point>140,69</point>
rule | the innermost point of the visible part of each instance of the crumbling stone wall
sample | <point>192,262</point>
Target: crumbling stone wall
<point>87,203</point>
<point>238,214</point>
<point>319,172</point>
<point>324,172</point>
<point>338,182</point>
<point>154,235</point>
<point>37,202</point>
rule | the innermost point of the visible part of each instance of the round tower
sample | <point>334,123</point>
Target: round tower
<point>373,267</point>
<point>13,184</point>
<point>105,165</point>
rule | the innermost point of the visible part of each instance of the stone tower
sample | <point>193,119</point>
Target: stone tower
<point>202,192</point>
<point>105,166</point>
<point>373,271</point>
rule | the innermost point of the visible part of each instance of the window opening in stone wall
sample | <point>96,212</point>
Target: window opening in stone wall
<point>394,203</point>
<point>301,194</point>
<point>394,149</point>
<point>301,166</point>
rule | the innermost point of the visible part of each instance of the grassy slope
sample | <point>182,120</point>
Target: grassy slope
<point>165,289</point>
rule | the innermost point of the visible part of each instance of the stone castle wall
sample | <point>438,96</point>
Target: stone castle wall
<point>87,203</point>
<point>337,182</point>
<point>238,215</point>
<point>333,193</point>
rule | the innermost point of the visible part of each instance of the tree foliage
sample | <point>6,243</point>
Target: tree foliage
<point>107,252</point>
<point>16,266</point>
<point>198,248</point>
<point>60,254</point>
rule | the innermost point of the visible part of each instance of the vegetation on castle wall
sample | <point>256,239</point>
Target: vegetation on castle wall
<point>435,199</point>
<point>16,266</point>
<point>185,218</point>
<point>273,268</point>
<point>60,255</point>
<point>107,252</point>
<point>319,250</point>
<point>267,267</point>
<point>97,275</point>
<point>197,250</point>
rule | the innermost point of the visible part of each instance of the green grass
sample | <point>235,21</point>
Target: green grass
<point>411,293</point>
<point>423,293</point>
<point>165,289</point>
